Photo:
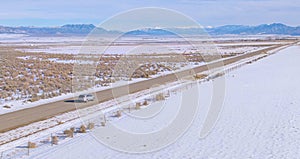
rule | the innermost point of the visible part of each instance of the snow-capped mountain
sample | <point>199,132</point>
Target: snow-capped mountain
<point>84,29</point>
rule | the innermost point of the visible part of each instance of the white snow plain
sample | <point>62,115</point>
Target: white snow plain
<point>260,118</point>
<point>170,48</point>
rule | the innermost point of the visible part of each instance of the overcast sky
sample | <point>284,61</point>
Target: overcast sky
<point>205,12</point>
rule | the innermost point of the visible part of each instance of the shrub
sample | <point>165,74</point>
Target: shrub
<point>69,133</point>
<point>119,114</point>
<point>60,122</point>
<point>91,126</point>
<point>34,99</point>
<point>82,129</point>
<point>54,140</point>
<point>138,105</point>
<point>160,96</point>
<point>43,96</point>
<point>31,145</point>
<point>145,102</point>
<point>7,106</point>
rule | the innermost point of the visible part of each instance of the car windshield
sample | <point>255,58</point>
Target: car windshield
<point>81,96</point>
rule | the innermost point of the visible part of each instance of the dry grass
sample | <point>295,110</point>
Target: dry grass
<point>200,76</point>
<point>29,76</point>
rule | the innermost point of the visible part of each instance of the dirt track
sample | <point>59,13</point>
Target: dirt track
<point>23,117</point>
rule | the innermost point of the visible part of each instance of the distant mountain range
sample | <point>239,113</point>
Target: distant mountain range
<point>275,28</point>
<point>70,29</point>
<point>84,29</point>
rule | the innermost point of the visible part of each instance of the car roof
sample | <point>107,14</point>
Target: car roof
<point>85,95</point>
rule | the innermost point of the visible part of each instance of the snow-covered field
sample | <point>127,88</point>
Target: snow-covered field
<point>260,118</point>
<point>170,48</point>
<point>73,45</point>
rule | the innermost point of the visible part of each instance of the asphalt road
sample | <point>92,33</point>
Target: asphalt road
<point>24,117</point>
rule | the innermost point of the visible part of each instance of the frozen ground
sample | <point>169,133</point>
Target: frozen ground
<point>260,118</point>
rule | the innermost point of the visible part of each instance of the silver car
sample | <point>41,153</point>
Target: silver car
<point>86,97</point>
